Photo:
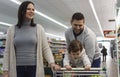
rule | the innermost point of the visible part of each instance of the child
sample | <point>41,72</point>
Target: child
<point>76,56</point>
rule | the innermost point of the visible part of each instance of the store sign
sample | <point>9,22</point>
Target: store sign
<point>109,33</point>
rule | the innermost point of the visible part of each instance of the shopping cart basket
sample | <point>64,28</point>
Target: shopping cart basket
<point>80,72</point>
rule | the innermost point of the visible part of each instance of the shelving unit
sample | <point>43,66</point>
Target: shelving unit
<point>2,48</point>
<point>58,48</point>
<point>118,44</point>
<point>118,32</point>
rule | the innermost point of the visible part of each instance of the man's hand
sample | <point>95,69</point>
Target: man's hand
<point>87,67</point>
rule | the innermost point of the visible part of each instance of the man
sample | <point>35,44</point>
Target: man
<point>104,53</point>
<point>86,36</point>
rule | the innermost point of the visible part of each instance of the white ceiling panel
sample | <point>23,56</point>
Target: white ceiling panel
<point>106,11</point>
<point>62,11</point>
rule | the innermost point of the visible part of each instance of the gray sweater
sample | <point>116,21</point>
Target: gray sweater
<point>88,40</point>
<point>25,44</point>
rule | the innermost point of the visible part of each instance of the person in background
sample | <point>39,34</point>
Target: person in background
<point>104,53</point>
<point>26,45</point>
<point>86,36</point>
<point>77,56</point>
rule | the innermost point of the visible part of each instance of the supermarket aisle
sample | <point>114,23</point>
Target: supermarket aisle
<point>112,68</point>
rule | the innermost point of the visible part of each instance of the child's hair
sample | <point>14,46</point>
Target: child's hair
<point>75,46</point>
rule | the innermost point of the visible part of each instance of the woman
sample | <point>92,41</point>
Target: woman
<point>26,45</point>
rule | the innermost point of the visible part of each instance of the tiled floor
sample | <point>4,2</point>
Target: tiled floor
<point>112,67</point>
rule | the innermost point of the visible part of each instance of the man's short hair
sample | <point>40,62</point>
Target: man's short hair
<point>77,16</point>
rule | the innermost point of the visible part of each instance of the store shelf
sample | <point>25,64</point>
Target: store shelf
<point>58,48</point>
<point>2,48</point>
<point>118,45</point>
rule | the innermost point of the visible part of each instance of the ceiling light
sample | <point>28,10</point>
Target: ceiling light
<point>1,33</point>
<point>94,12</point>
<point>16,1</point>
<point>54,35</point>
<point>51,19</point>
<point>43,15</point>
<point>7,24</point>
<point>118,18</point>
<point>3,23</point>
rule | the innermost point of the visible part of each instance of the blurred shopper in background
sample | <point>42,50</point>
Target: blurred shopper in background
<point>86,36</point>
<point>104,53</point>
<point>26,45</point>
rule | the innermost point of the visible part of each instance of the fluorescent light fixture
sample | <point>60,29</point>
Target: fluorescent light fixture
<point>3,23</point>
<point>54,35</point>
<point>1,33</point>
<point>16,1</point>
<point>51,19</point>
<point>7,24</point>
<point>103,38</point>
<point>94,12</point>
<point>118,18</point>
<point>43,15</point>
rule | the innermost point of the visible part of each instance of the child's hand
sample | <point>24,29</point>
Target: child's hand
<point>87,67</point>
<point>68,67</point>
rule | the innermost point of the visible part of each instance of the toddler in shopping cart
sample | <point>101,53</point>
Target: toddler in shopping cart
<point>77,57</point>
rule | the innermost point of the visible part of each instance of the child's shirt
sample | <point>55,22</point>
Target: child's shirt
<point>83,60</point>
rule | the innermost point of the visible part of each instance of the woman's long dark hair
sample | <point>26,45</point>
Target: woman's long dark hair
<point>21,13</point>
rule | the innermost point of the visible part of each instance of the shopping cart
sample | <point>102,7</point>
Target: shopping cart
<point>80,72</point>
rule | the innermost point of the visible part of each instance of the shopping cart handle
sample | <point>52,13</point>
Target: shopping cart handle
<point>76,69</point>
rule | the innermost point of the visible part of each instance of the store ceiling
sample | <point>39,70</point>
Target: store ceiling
<point>62,10</point>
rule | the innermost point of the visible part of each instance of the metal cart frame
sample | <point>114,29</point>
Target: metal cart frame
<point>80,72</point>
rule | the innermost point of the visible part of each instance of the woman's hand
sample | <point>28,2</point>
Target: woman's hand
<point>87,67</point>
<point>5,74</point>
<point>68,67</point>
<point>55,66</point>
